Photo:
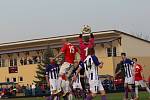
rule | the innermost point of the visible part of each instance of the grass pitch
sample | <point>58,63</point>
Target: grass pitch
<point>110,96</point>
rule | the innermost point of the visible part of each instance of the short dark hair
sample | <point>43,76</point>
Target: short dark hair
<point>123,54</point>
<point>134,59</point>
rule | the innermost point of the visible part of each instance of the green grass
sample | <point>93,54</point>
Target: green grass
<point>111,96</point>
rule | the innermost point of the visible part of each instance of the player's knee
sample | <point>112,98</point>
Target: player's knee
<point>53,92</point>
<point>130,87</point>
<point>125,85</point>
<point>93,94</point>
<point>103,92</point>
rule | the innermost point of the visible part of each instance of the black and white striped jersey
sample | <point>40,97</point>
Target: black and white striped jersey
<point>91,64</point>
<point>52,71</point>
<point>128,68</point>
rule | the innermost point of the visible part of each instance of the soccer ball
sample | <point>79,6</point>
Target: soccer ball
<point>86,29</point>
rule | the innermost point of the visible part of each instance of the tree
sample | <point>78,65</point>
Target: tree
<point>41,67</point>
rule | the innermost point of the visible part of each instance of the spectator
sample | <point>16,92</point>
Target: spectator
<point>28,87</point>
<point>33,89</point>
<point>23,88</point>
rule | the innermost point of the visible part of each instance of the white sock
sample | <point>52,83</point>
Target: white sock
<point>148,90</point>
<point>67,86</point>
<point>59,83</point>
<point>70,97</point>
<point>136,91</point>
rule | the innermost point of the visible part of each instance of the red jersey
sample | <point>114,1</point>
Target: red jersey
<point>138,69</point>
<point>69,51</point>
<point>84,47</point>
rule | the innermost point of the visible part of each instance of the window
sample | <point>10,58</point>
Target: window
<point>8,80</point>
<point>21,79</point>
<point>15,62</point>
<point>14,79</point>
<point>114,52</point>
<point>11,62</point>
<point>111,52</point>
<point>2,62</point>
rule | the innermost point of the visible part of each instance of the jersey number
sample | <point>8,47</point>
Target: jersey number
<point>86,51</point>
<point>71,48</point>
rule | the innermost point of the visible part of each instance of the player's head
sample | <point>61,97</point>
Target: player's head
<point>134,60</point>
<point>91,51</point>
<point>123,55</point>
<point>86,39</point>
<point>52,61</point>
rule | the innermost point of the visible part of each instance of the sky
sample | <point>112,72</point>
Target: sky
<point>32,19</point>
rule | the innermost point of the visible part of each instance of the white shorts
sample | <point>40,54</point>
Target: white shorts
<point>129,80</point>
<point>77,85</point>
<point>141,83</point>
<point>65,67</point>
<point>95,86</point>
<point>53,84</point>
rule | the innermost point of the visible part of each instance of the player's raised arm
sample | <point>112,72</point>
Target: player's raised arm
<point>80,39</point>
<point>91,35</point>
<point>63,49</point>
<point>59,54</point>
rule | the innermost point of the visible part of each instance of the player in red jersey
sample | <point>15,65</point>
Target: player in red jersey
<point>138,78</point>
<point>84,43</point>
<point>69,51</point>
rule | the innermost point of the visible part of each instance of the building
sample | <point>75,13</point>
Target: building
<point>26,55</point>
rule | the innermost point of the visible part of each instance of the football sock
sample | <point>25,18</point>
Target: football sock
<point>136,91</point>
<point>103,97</point>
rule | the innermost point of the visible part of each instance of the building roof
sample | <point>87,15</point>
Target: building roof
<point>132,36</point>
<point>111,35</point>
<point>51,38</point>
<point>69,36</point>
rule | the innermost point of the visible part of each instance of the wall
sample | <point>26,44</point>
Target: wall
<point>27,72</point>
<point>135,47</point>
<point>107,67</point>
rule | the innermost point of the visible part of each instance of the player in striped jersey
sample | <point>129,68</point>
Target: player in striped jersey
<point>51,74</point>
<point>127,65</point>
<point>91,64</point>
